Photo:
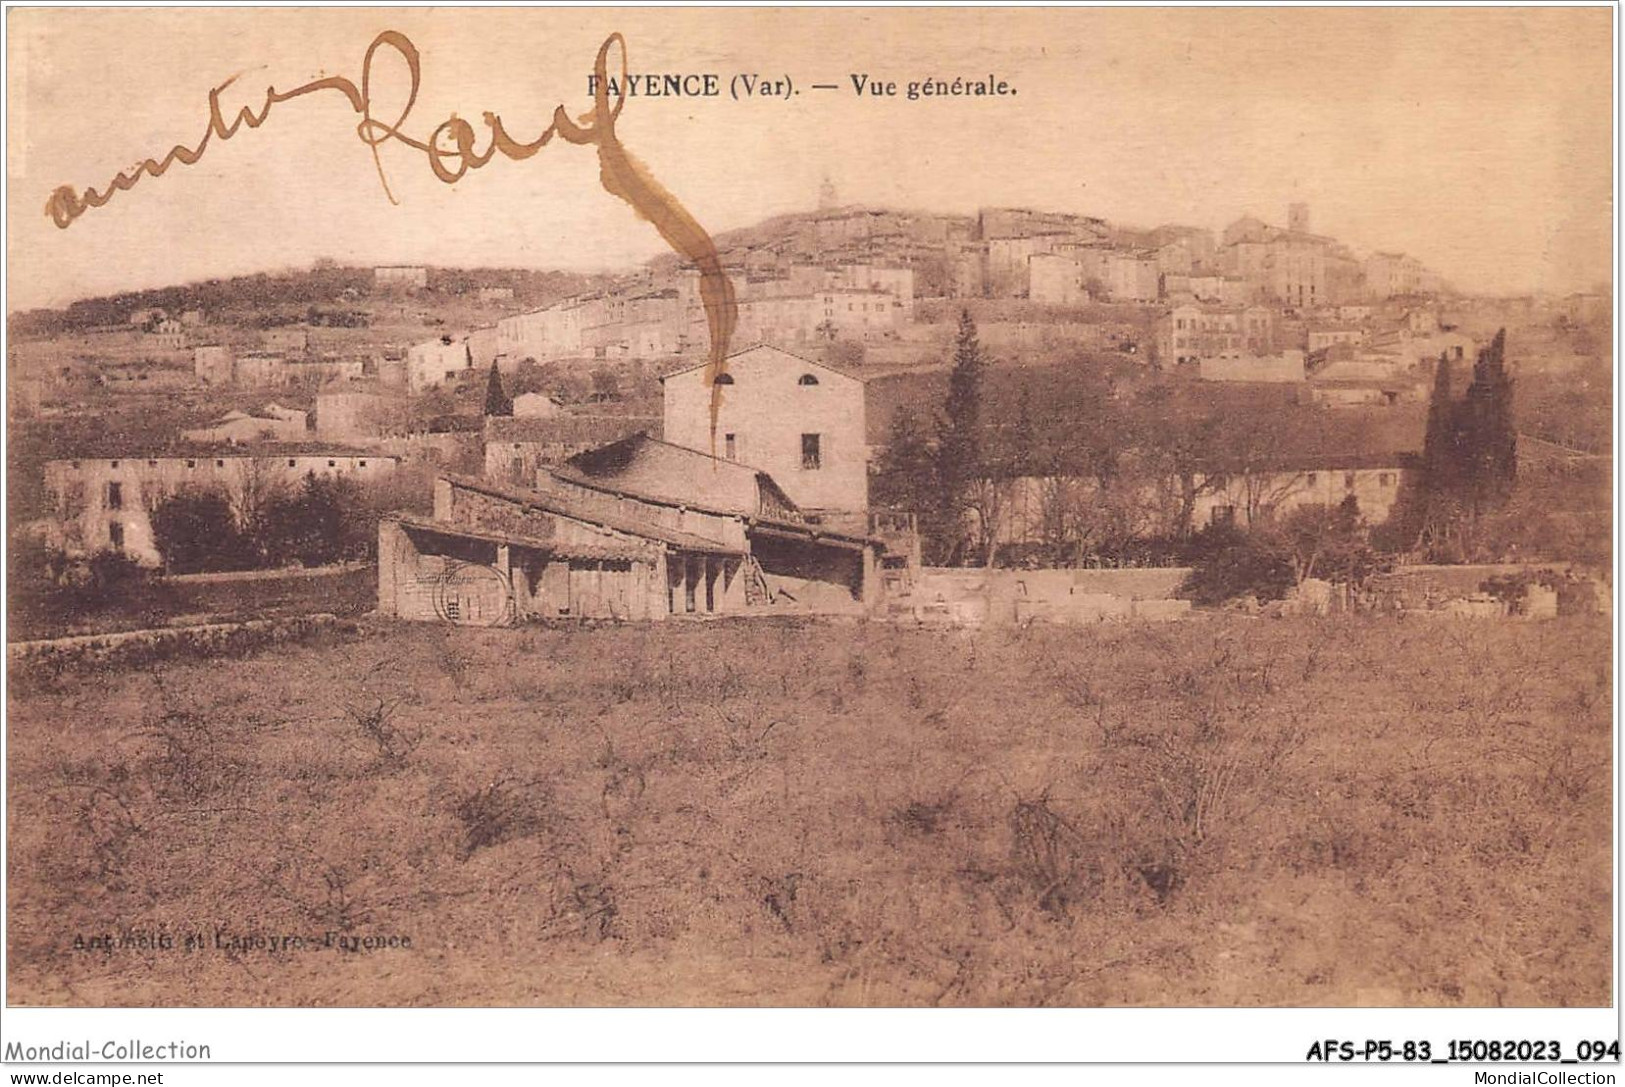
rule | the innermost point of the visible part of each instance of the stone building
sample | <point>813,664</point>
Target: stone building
<point>1373,480</point>
<point>213,364</point>
<point>437,361</point>
<point>1191,332</point>
<point>516,446</point>
<point>535,406</point>
<point>1396,275</point>
<point>105,502</point>
<point>410,277</point>
<point>292,338</point>
<point>270,423</point>
<point>800,421</point>
<point>1055,279</point>
<point>579,547</point>
<point>346,416</point>
<point>808,318</point>
<point>1035,506</point>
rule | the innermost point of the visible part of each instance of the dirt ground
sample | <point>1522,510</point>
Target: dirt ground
<point>1226,811</point>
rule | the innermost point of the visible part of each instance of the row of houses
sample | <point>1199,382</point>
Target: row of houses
<point>1351,355</point>
<point>799,421</point>
<point>784,296</point>
<point>220,365</point>
<point>106,501</point>
<point>644,320</point>
<point>755,500</point>
<point>1069,260</point>
<point>1039,509</point>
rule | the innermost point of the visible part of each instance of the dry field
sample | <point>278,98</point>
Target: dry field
<point>1220,812</point>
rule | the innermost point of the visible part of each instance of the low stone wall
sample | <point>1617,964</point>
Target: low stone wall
<point>190,600</point>
<point>1063,596</point>
<point>272,594</point>
<point>291,573</point>
<point>136,647</point>
<point>1456,590</point>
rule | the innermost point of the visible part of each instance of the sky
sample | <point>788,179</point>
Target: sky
<point>1478,140</point>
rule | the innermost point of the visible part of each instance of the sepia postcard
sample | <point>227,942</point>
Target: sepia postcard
<point>811,508</point>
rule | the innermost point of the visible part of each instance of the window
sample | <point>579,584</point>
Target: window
<point>806,379</point>
<point>730,447</point>
<point>290,462</point>
<point>112,464</point>
<point>1311,477</point>
<point>75,464</point>
<point>115,534</point>
<point>1348,481</point>
<point>361,464</point>
<point>724,379</point>
<point>1224,515</point>
<point>219,464</point>
<point>152,464</point>
<point>191,464</point>
<point>332,464</point>
<point>115,496</point>
<point>1385,479</point>
<point>812,456</point>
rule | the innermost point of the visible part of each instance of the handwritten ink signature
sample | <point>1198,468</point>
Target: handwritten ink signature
<point>621,174</point>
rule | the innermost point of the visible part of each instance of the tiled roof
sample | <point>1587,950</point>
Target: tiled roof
<point>565,427</point>
<point>770,347</point>
<point>556,547</point>
<point>566,506</point>
<point>245,450</point>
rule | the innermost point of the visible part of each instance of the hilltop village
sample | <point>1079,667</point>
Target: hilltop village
<point>520,444</point>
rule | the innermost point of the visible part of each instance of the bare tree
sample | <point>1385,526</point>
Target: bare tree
<point>986,500</point>
<point>1264,491</point>
<point>260,484</point>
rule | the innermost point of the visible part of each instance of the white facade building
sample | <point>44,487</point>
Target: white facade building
<point>800,421</point>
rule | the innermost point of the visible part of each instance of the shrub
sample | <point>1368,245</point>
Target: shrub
<point>503,811</point>
<point>324,521</point>
<point>1246,567</point>
<point>1274,556</point>
<point>52,589</point>
<point>196,532</point>
<point>1512,587</point>
<point>135,648</point>
<point>374,716</point>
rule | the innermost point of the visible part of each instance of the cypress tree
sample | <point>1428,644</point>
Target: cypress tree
<point>497,402</point>
<point>1439,468</point>
<point>1429,512</point>
<point>1469,457</point>
<point>906,477</point>
<point>959,444</point>
<point>1487,436</point>
<point>1022,442</point>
